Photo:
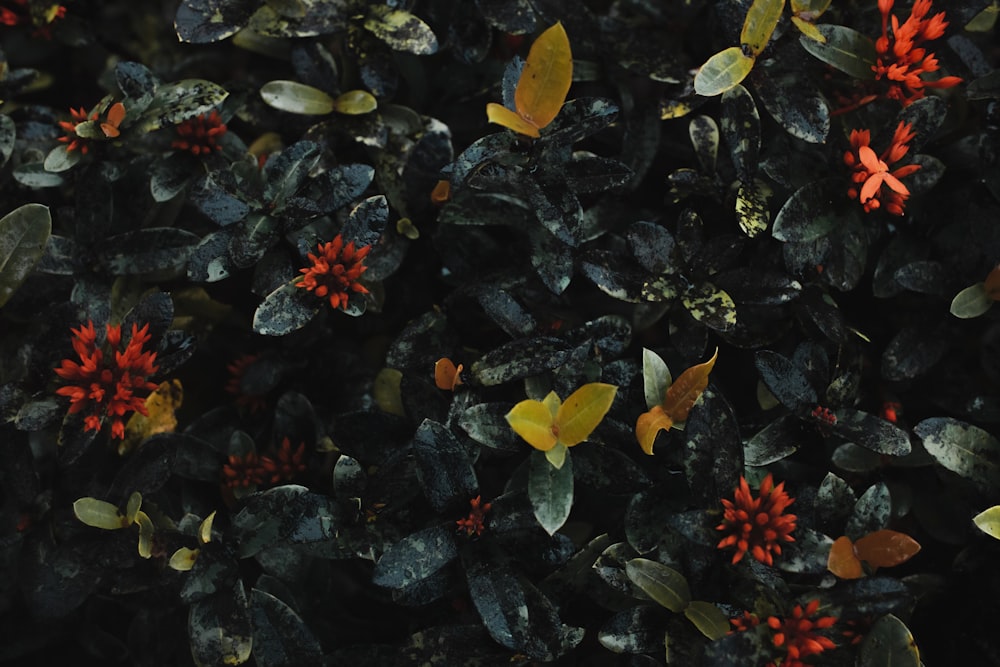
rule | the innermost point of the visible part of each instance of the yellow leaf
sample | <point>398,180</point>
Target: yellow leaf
<point>580,414</point>
<point>722,72</point>
<point>386,391</point>
<point>183,559</point>
<point>355,103</point>
<point>988,521</point>
<point>809,30</point>
<point>161,406</point>
<point>205,529</point>
<point>98,514</point>
<point>842,560</point>
<point>532,420</point>
<point>501,115</point>
<point>686,389</point>
<point>145,534</point>
<point>546,77</point>
<point>762,18</point>
<point>649,425</point>
<point>810,9</point>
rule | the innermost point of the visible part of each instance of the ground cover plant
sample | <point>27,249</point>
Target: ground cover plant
<point>491,332</point>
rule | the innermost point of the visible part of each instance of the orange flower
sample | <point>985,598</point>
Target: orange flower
<point>106,383</point>
<point>335,271</point>
<point>200,135</point>
<point>475,523</point>
<point>902,59</point>
<point>757,525</point>
<point>871,171</point>
<point>744,622</point>
<point>797,634</point>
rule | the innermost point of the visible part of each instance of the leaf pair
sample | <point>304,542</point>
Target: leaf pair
<point>551,425</point>
<point>542,87</point>
<point>883,548</point>
<point>102,514</point>
<point>678,397</point>
<point>728,67</point>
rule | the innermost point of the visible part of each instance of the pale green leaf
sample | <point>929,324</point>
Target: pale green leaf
<point>550,490</point>
<point>709,619</point>
<point>971,302</point>
<point>988,521</point>
<point>98,514</point>
<point>665,585</point>
<point>722,72</point>
<point>295,97</point>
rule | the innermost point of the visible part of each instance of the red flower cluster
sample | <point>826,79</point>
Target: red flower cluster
<point>75,141</point>
<point>475,523</point>
<point>106,383</point>
<point>797,634</point>
<point>253,470</point>
<point>902,59</point>
<point>335,271</point>
<point>234,385</point>
<point>871,171</point>
<point>824,415</point>
<point>18,12</point>
<point>200,135</point>
<point>757,525</point>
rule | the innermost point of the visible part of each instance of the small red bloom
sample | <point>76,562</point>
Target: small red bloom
<point>871,172</point>
<point>286,464</point>
<point>200,135</point>
<point>108,376</point>
<point>243,471</point>
<point>69,127</point>
<point>797,634</point>
<point>824,415</point>
<point>18,12</point>
<point>234,385</point>
<point>335,271</point>
<point>757,525</point>
<point>744,622</point>
<point>901,56</point>
<point>475,523</point>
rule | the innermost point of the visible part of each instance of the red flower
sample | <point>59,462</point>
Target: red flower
<point>106,382</point>
<point>744,622</point>
<point>757,525</point>
<point>475,523</point>
<point>243,471</point>
<point>824,415</point>
<point>200,135</point>
<point>75,142</point>
<point>335,271</point>
<point>902,59</point>
<point>287,463</point>
<point>871,171</point>
<point>797,636</point>
<point>234,385</point>
<point>17,12</point>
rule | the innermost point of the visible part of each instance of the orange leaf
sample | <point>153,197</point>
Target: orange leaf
<point>115,116</point>
<point>686,389</point>
<point>446,375</point>
<point>885,548</point>
<point>542,88</point>
<point>546,77</point>
<point>842,561</point>
<point>649,425</point>
<point>441,192</point>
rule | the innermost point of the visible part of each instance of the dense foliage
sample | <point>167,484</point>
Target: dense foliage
<point>404,332</point>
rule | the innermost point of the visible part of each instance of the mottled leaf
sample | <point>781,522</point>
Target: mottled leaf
<point>24,233</point>
<point>550,490</point>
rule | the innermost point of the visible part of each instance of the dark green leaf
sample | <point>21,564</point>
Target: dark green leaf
<point>367,221</point>
<point>500,601</point>
<point>776,441</point>
<point>176,102</point>
<point>794,101</point>
<point>785,380</point>
<point>835,501</point>
<point>219,629</point>
<point>962,448</point>
<point>635,630</point>
<point>713,456</point>
<point>401,30</point>
<point>445,470</point>
<point>280,638</point>
<point>710,305</point>
<point>203,21</point>
<point>8,133</point>
<point>416,557</point>
<point>285,514</point>
<point>913,352</point>
<point>210,262</point>
<point>284,310</point>
<point>927,115</point>
<point>515,17</point>
<point>519,359</point>
<point>286,173</point>
<point>871,432</point>
<point>871,513</point>
<point>665,585</point>
<point>846,49</point>
<point>889,644</point>
<point>157,252</point>
<point>23,235</point>
<point>652,245</point>
<point>809,213</point>
<point>741,129</point>
<point>485,423</point>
